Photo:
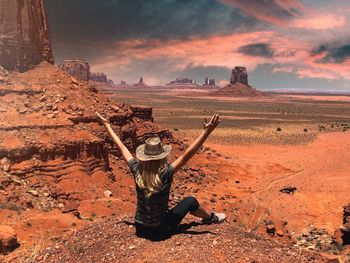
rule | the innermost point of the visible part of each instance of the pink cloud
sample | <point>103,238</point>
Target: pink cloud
<point>284,69</point>
<point>339,70</point>
<point>320,22</point>
<point>317,73</point>
<point>206,51</point>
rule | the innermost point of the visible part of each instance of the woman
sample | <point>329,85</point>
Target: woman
<point>153,177</point>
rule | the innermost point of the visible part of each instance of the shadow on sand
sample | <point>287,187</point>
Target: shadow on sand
<point>181,229</point>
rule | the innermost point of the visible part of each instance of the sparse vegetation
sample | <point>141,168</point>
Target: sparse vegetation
<point>11,206</point>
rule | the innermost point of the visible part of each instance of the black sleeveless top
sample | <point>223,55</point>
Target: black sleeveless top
<point>151,211</point>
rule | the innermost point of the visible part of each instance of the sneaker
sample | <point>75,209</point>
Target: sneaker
<point>215,218</point>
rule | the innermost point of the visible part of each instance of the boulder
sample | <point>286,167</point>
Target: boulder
<point>8,239</point>
<point>107,193</point>
<point>288,189</point>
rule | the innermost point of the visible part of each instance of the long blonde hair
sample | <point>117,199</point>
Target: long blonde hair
<point>148,179</point>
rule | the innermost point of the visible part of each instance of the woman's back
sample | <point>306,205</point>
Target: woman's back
<point>152,209</point>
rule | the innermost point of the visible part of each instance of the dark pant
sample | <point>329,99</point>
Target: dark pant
<point>172,220</point>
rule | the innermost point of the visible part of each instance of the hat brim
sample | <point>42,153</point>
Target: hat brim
<point>140,153</point>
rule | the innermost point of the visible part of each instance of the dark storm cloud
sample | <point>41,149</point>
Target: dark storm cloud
<point>271,11</point>
<point>335,55</point>
<point>257,50</point>
<point>78,25</point>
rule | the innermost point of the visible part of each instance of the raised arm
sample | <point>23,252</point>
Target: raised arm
<point>120,145</point>
<point>208,129</point>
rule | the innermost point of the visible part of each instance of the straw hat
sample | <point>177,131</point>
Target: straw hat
<point>152,150</point>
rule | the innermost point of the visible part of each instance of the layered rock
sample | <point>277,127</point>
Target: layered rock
<point>99,77</point>
<point>77,68</point>
<point>24,34</point>
<point>50,137</point>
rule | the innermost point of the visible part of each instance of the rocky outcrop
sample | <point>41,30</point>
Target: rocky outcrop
<point>78,68</point>
<point>140,84</point>
<point>238,86</point>
<point>342,235</point>
<point>98,77</point>
<point>3,75</point>
<point>24,34</point>
<point>209,82</point>
<point>182,81</point>
<point>50,134</point>
<point>239,75</point>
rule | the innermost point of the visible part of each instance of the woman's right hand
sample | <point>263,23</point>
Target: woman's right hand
<point>212,124</point>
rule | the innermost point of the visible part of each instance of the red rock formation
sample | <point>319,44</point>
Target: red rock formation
<point>24,35</point>
<point>78,68</point>
<point>238,86</point>
<point>50,135</point>
<point>98,77</point>
<point>140,84</point>
<point>239,75</point>
<point>181,82</point>
<point>209,82</point>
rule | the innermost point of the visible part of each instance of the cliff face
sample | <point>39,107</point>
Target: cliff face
<point>24,34</point>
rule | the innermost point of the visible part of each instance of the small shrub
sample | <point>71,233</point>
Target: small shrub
<point>176,129</point>
<point>278,129</point>
<point>305,130</point>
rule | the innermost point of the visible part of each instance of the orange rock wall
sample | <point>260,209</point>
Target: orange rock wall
<point>24,34</point>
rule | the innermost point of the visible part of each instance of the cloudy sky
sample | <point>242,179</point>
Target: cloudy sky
<point>285,44</point>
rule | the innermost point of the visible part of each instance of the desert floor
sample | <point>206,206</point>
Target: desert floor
<point>266,144</point>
